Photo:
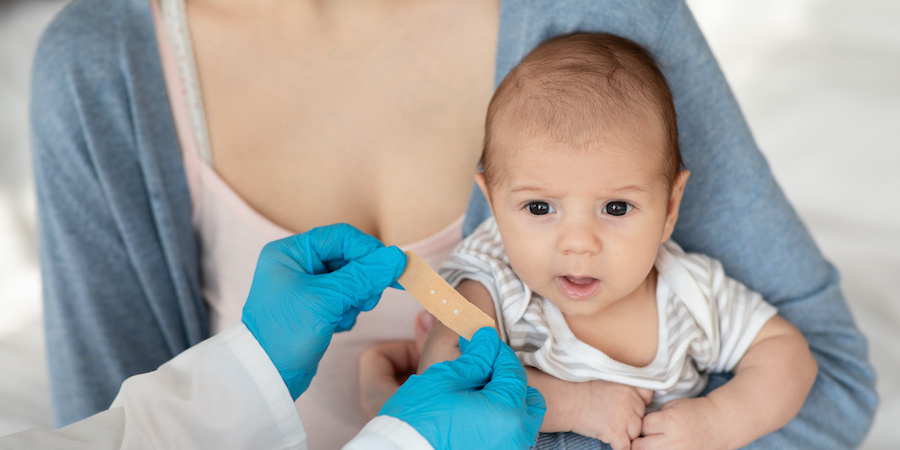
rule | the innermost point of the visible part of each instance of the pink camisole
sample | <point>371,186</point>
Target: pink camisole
<point>231,234</point>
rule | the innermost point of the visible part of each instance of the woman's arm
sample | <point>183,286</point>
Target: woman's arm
<point>734,211</point>
<point>118,256</point>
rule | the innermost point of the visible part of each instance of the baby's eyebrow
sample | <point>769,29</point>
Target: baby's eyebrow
<point>616,190</point>
<point>526,188</point>
<point>629,188</point>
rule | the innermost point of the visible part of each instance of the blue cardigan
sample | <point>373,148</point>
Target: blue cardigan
<point>119,258</point>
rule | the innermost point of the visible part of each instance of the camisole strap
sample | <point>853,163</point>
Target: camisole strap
<point>174,18</point>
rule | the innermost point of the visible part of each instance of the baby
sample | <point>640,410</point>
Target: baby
<point>584,177</point>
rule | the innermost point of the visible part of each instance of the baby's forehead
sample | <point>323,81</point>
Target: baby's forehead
<point>641,155</point>
<point>639,131</point>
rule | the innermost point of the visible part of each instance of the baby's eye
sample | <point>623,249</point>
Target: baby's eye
<point>540,208</point>
<point>617,208</point>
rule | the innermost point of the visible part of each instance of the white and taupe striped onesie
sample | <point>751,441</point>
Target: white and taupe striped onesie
<point>706,320</point>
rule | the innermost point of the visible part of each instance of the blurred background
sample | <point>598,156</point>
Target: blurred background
<point>819,83</point>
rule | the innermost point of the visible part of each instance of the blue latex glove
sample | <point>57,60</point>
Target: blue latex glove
<point>479,400</point>
<point>309,286</point>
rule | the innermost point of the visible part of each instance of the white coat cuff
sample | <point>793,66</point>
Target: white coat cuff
<point>269,382</point>
<point>386,432</point>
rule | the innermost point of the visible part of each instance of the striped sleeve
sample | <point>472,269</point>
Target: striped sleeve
<point>742,313</point>
<point>737,315</point>
<point>482,258</point>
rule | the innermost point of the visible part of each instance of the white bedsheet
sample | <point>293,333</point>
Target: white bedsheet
<point>818,80</point>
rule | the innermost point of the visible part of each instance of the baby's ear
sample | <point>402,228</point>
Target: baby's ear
<point>675,202</point>
<point>482,184</point>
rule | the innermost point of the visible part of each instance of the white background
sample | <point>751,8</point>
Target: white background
<point>819,83</point>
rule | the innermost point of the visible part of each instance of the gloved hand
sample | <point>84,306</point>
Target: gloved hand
<point>479,400</point>
<point>309,286</point>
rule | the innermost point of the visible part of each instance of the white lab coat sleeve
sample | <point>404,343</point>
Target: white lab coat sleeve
<point>223,393</point>
<point>388,433</point>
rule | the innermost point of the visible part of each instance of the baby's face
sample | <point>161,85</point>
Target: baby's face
<point>582,227</point>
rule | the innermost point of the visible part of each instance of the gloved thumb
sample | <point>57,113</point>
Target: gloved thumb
<point>509,377</point>
<point>537,407</point>
<point>473,368</point>
<point>509,384</point>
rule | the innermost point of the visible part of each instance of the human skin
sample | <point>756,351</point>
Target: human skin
<point>581,227</point>
<point>386,366</point>
<point>90,145</point>
<point>395,92</point>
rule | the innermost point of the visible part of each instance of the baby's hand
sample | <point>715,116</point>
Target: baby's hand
<point>687,423</point>
<point>612,413</point>
<point>383,368</point>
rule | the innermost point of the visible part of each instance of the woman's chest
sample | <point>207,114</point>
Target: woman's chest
<point>374,119</point>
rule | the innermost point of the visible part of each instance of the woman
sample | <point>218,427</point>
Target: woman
<point>292,115</point>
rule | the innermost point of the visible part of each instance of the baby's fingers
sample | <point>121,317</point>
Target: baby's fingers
<point>645,394</point>
<point>640,400</point>
<point>620,442</point>
<point>656,441</point>
<point>652,429</point>
<point>652,424</point>
<point>634,427</point>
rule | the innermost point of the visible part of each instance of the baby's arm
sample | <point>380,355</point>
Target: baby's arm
<point>442,343</point>
<point>382,369</point>
<point>603,410</point>
<point>770,384</point>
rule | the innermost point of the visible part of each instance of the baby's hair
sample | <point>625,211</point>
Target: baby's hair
<point>571,87</point>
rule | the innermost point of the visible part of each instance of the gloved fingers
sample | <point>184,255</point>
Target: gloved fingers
<point>483,347</point>
<point>352,245</point>
<point>463,343</point>
<point>347,321</point>
<point>473,368</point>
<point>534,400</point>
<point>369,303</point>
<point>325,249</point>
<point>359,284</point>
<point>536,407</point>
<point>372,273</point>
<point>461,374</point>
<point>509,374</point>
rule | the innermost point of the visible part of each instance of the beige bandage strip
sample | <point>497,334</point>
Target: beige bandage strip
<point>441,300</point>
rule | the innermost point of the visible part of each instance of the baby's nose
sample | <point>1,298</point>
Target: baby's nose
<point>580,238</point>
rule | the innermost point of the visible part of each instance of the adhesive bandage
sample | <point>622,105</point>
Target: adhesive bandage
<point>441,300</point>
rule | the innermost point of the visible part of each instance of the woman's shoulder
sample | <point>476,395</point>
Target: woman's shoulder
<point>86,33</point>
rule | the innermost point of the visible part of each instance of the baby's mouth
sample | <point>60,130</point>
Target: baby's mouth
<point>578,287</point>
